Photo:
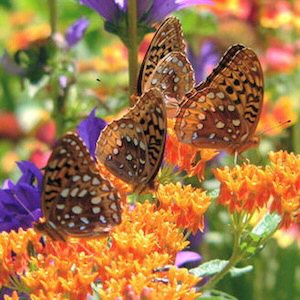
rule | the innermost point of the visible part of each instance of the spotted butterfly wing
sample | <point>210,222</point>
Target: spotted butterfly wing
<point>174,76</point>
<point>132,147</point>
<point>76,200</point>
<point>223,111</point>
<point>165,64</point>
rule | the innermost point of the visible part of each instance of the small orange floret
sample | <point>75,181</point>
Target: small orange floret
<point>243,188</point>
<point>186,203</point>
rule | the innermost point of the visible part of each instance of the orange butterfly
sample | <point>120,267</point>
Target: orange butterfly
<point>223,111</point>
<point>76,200</point>
<point>165,65</point>
<point>132,147</point>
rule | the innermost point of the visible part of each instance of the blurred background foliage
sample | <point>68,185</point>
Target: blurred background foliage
<point>94,73</point>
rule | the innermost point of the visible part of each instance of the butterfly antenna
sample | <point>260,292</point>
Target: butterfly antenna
<point>282,125</point>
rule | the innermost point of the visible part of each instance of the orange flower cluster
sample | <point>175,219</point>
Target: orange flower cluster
<point>248,188</point>
<point>185,156</point>
<point>187,204</point>
<point>124,262</point>
<point>285,173</point>
<point>243,188</point>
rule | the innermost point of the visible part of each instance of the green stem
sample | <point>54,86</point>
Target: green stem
<point>132,46</point>
<point>188,233</point>
<point>52,4</point>
<point>296,138</point>
<point>59,99</point>
<point>234,259</point>
<point>236,254</point>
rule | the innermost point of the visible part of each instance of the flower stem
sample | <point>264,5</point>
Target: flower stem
<point>58,100</point>
<point>236,256</point>
<point>53,15</point>
<point>296,137</point>
<point>132,46</point>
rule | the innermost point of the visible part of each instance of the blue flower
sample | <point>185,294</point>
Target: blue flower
<point>20,204</point>
<point>89,130</point>
<point>76,31</point>
<point>204,61</point>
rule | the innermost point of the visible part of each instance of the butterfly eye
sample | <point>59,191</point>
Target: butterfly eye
<point>132,147</point>
<point>76,200</point>
<point>223,111</point>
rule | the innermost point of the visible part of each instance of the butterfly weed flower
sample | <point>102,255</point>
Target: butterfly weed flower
<point>244,188</point>
<point>147,239</point>
<point>187,204</point>
<point>284,171</point>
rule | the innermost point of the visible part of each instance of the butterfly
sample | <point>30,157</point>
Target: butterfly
<point>76,200</point>
<point>165,65</point>
<point>223,111</point>
<point>132,147</point>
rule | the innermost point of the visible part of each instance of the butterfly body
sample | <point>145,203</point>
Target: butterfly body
<point>222,112</point>
<point>76,200</point>
<point>134,145</point>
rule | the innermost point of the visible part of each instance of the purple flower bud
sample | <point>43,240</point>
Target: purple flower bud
<point>76,31</point>
<point>89,130</point>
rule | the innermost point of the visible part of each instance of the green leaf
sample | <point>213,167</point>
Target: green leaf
<point>214,193</point>
<point>216,266</point>
<point>209,268</point>
<point>236,272</point>
<point>267,225</point>
<point>216,295</point>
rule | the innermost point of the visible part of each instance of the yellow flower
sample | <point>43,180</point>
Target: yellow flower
<point>186,203</point>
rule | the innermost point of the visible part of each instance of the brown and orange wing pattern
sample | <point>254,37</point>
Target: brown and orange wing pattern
<point>132,147</point>
<point>76,200</point>
<point>223,112</point>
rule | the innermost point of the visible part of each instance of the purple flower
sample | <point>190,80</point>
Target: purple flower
<point>76,31</point>
<point>204,61</point>
<point>148,12</point>
<point>184,257</point>
<point>20,204</point>
<point>89,130</point>
<point>63,81</point>
<point>156,10</point>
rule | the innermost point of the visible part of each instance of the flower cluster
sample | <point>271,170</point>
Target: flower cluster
<point>248,188</point>
<point>124,260</point>
<point>284,172</point>
<point>187,204</point>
